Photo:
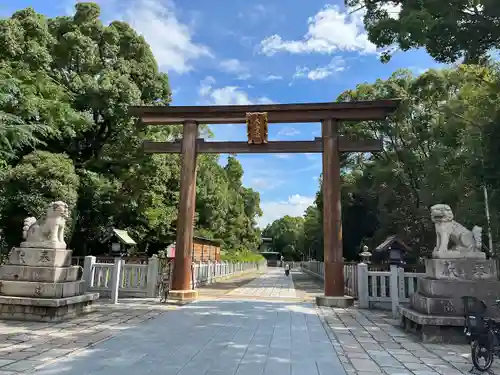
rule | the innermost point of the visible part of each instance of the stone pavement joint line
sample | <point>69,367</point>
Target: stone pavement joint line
<point>211,337</point>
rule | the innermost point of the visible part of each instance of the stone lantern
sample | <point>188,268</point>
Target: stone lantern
<point>365,255</point>
<point>396,255</point>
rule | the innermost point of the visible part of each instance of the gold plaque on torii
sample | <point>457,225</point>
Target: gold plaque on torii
<point>257,127</point>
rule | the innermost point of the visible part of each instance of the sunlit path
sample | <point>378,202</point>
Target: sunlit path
<point>234,336</point>
<point>272,284</point>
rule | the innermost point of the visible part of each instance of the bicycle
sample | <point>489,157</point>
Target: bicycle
<point>164,282</point>
<point>482,333</point>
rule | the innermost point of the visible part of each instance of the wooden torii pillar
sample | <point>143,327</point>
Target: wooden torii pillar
<point>330,144</point>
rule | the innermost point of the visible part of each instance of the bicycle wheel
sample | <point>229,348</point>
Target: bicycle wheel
<point>482,357</point>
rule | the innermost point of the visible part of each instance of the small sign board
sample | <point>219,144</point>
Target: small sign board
<point>171,250</point>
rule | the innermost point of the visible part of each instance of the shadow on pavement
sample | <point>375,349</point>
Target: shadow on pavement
<point>306,286</point>
<point>213,337</point>
<point>225,286</point>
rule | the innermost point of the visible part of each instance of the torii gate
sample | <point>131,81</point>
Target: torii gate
<point>330,144</point>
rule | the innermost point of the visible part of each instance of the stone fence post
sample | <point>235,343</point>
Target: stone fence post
<point>152,277</point>
<point>394,290</point>
<point>116,279</point>
<point>210,266</point>
<point>363,286</point>
<point>88,272</point>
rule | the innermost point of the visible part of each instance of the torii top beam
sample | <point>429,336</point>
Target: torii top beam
<point>276,113</point>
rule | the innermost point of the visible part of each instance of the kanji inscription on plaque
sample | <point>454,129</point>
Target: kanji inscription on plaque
<point>257,127</point>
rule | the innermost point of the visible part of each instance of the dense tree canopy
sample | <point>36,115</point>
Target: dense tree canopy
<point>441,146</point>
<point>65,86</point>
<point>287,236</point>
<point>450,30</point>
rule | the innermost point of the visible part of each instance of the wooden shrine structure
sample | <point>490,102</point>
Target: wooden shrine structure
<point>257,118</point>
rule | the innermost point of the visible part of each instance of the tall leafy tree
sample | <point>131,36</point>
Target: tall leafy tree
<point>439,147</point>
<point>450,30</point>
<point>40,178</point>
<point>287,236</point>
<point>65,87</point>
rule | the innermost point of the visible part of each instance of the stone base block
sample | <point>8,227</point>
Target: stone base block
<point>37,257</point>
<point>433,328</point>
<point>461,269</point>
<point>42,274</point>
<point>436,305</point>
<point>443,297</point>
<point>458,288</point>
<point>456,254</point>
<point>45,310</point>
<point>41,290</point>
<point>183,296</point>
<point>343,302</point>
<point>44,245</point>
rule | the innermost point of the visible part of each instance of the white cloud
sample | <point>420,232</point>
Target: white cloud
<point>171,41</point>
<point>417,70</point>
<point>227,95</point>
<point>294,206</point>
<point>234,95</point>
<point>232,66</point>
<point>288,131</point>
<point>255,13</point>
<point>329,30</point>
<point>235,66</point>
<point>336,65</point>
<point>206,85</point>
<point>312,156</point>
<point>272,77</point>
<point>265,183</point>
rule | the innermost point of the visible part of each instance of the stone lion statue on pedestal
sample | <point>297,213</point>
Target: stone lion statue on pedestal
<point>47,232</point>
<point>467,243</point>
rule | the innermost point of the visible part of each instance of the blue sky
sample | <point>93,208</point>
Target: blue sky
<point>243,52</point>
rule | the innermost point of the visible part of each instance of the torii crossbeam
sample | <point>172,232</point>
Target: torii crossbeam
<point>257,117</point>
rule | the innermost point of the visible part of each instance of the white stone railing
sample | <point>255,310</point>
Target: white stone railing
<point>120,279</point>
<point>208,273</point>
<point>375,289</point>
<point>317,269</point>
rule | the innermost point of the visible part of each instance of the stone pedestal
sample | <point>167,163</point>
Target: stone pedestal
<point>436,311</point>
<point>342,302</point>
<point>39,284</point>
<point>183,296</point>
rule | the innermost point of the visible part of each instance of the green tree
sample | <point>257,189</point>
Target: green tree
<point>429,155</point>
<point>448,29</point>
<point>439,148</point>
<point>287,235</point>
<point>313,233</point>
<point>243,208</point>
<point>101,69</point>
<point>27,189</point>
<point>65,87</point>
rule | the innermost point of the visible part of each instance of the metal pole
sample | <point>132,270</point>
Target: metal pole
<point>487,210</point>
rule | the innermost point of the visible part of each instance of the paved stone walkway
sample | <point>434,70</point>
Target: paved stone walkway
<point>370,342</point>
<point>273,284</point>
<point>241,336</point>
<point>25,345</point>
<point>258,329</point>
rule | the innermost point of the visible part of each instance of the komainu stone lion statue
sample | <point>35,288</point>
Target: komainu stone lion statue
<point>47,232</point>
<point>467,243</point>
